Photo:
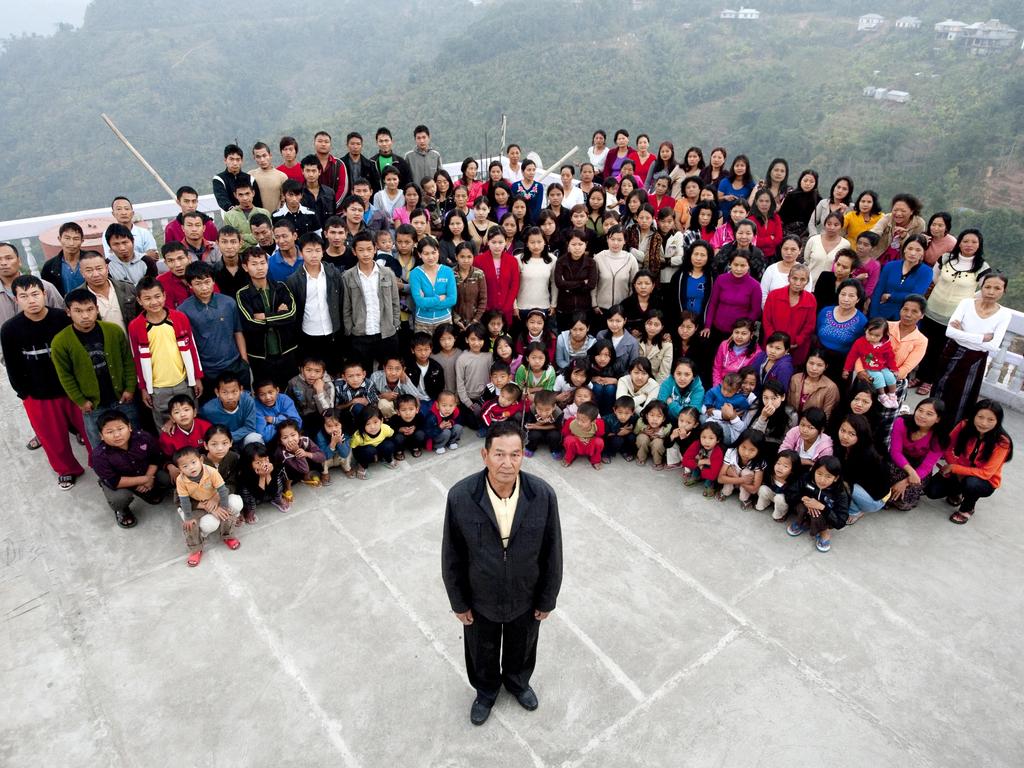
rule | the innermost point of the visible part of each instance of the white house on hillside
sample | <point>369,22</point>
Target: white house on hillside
<point>728,13</point>
<point>748,13</point>
<point>908,22</point>
<point>869,22</point>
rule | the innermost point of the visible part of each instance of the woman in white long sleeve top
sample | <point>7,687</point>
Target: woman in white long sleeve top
<point>976,328</point>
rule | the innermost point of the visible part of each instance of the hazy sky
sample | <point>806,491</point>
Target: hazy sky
<point>39,16</point>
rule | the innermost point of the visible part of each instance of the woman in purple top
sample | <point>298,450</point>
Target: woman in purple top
<point>734,295</point>
<point>839,326</point>
<point>917,444</point>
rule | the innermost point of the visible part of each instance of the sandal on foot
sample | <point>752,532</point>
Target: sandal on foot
<point>709,493</point>
<point>606,459</point>
<point>417,452</point>
<point>250,518</point>
<point>80,439</point>
<point>34,444</point>
<point>125,519</point>
<point>822,545</point>
<point>960,517</point>
<point>232,543</point>
<point>955,500</point>
<point>325,479</point>
<point>924,389</point>
<point>400,456</point>
<point>628,457</point>
<point>66,482</point>
<point>194,558</point>
<point>854,517</point>
<point>795,529</point>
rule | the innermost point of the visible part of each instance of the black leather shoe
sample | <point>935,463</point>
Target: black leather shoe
<point>527,699</point>
<point>480,711</point>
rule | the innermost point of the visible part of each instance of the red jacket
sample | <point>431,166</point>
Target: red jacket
<point>176,289</point>
<point>501,292</point>
<point>768,236</point>
<point>138,340</point>
<point>871,357</point>
<point>630,155</point>
<point>797,321</point>
<point>709,472</point>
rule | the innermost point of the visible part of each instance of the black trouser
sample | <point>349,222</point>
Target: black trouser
<point>513,642</point>
<point>374,348</point>
<point>535,438</point>
<point>410,442</point>
<point>972,489</point>
<point>278,369</point>
<point>327,348</point>
<point>615,443</point>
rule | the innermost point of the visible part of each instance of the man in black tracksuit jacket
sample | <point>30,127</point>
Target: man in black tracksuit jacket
<point>502,568</point>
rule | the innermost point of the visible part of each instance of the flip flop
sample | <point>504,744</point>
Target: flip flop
<point>125,519</point>
<point>66,482</point>
<point>961,517</point>
<point>34,444</point>
<point>924,389</point>
<point>194,558</point>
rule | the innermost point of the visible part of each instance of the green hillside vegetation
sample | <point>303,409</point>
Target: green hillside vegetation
<point>181,81</point>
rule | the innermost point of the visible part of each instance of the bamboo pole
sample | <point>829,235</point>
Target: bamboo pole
<point>137,154</point>
<point>553,168</point>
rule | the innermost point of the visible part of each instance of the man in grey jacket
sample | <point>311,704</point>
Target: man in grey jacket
<point>501,561</point>
<point>423,161</point>
<point>370,310</point>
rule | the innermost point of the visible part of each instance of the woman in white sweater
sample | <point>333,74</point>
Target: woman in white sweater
<point>976,328</point>
<point>537,288</point>
<point>616,268</point>
<point>820,251</point>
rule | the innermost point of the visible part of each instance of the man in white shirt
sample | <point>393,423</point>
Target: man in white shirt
<point>317,288</point>
<point>124,214</point>
<point>370,309</point>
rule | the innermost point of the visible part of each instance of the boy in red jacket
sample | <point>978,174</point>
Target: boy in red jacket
<point>584,436</point>
<point>166,360</point>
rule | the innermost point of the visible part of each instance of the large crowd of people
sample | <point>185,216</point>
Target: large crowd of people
<point>758,336</point>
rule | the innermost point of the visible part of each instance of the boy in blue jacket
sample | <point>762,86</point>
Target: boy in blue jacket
<point>273,407</point>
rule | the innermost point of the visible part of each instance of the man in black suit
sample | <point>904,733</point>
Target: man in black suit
<point>501,562</point>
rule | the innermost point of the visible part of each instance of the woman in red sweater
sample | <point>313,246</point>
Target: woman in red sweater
<point>769,226</point>
<point>501,273</point>
<point>794,311</point>
<point>979,446</point>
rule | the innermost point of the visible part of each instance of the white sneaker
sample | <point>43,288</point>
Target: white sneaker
<point>452,446</point>
<point>439,451</point>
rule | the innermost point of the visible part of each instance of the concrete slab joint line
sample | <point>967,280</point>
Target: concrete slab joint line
<point>331,727</point>
<point>421,625</point>
<point>809,673</point>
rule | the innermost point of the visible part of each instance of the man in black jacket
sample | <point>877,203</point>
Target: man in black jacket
<point>385,157</point>
<point>501,561</point>
<point>317,289</point>
<point>360,167</point>
<point>267,310</point>
<point>225,182</point>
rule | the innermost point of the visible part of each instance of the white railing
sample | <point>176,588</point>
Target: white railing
<point>1004,379</point>
<point>26,232</point>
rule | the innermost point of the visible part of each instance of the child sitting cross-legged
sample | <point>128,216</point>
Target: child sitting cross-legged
<point>773,491</point>
<point>543,424</point>
<point>184,430</point>
<point>583,435</point>
<point>703,459</point>
<point>204,503</point>
<point>273,408</point>
<point>408,425</point>
<point>260,481</point>
<point>620,430</point>
<point>652,430</point>
<point>372,441</point>
<point>312,390</point>
<point>743,468</point>
<point>442,423</point>
<point>302,458</point>
<point>334,445</point>
<point>508,406</point>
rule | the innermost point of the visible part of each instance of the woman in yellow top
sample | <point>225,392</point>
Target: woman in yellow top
<point>865,214</point>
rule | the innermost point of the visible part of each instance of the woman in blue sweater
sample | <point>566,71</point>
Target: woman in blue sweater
<point>432,287</point>
<point>839,326</point>
<point>899,279</point>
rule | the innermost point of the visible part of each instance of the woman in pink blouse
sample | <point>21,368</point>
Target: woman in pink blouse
<point>917,445</point>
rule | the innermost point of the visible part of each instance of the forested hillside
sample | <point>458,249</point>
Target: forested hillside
<point>183,79</point>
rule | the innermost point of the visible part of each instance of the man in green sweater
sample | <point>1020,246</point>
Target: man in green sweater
<point>94,363</point>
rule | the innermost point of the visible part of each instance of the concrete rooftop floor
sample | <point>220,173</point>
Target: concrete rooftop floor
<point>688,632</point>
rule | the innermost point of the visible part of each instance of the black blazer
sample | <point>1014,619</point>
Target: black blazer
<point>501,584</point>
<point>296,283</point>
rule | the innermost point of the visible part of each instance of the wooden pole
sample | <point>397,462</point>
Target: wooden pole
<point>137,154</point>
<point>553,168</point>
